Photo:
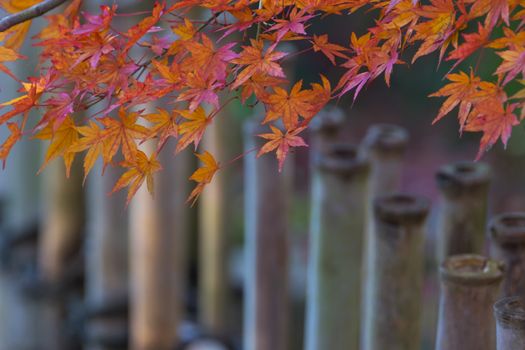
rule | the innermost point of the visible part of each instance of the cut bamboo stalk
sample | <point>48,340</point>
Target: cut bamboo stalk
<point>213,280</point>
<point>463,212</point>
<point>508,245</point>
<point>266,304</point>
<point>336,243</point>
<point>153,275</point>
<point>385,146</point>
<point>396,273</point>
<point>510,323</point>
<point>107,272</point>
<point>469,287</point>
<point>60,239</point>
<point>325,129</point>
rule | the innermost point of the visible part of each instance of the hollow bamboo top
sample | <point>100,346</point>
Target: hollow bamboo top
<point>510,312</point>
<point>386,139</point>
<point>328,122</point>
<point>459,177</point>
<point>471,269</point>
<point>399,208</point>
<point>342,159</point>
<point>508,228</point>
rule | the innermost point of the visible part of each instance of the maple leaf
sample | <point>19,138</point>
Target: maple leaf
<point>146,25</point>
<point>200,90</point>
<point>294,24</point>
<point>8,144</point>
<point>94,140</point>
<point>281,143</point>
<point>473,42</point>
<point>512,65</point>
<point>203,176</point>
<point>289,105</point>
<point>61,139</point>
<point>257,62</point>
<point>320,43</point>
<point>257,85</point>
<point>494,120</point>
<point>462,91</point>
<point>140,168</point>
<point>193,129</point>
<point>164,125</point>
<point>122,132</point>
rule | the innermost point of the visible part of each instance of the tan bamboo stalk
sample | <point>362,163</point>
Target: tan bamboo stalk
<point>266,304</point>
<point>325,128</point>
<point>336,244</point>
<point>60,238</point>
<point>153,275</point>
<point>396,273</point>
<point>463,211</point>
<point>510,323</point>
<point>385,146</point>
<point>508,245</point>
<point>469,287</point>
<point>213,244</point>
<point>107,271</point>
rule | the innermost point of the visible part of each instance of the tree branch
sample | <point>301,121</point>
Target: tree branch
<point>29,13</point>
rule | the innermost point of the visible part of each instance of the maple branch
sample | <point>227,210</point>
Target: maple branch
<point>29,13</point>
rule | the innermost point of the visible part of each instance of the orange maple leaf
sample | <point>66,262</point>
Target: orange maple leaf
<point>94,140</point>
<point>289,105</point>
<point>193,129</point>
<point>165,126</point>
<point>257,61</point>
<point>13,138</point>
<point>61,139</point>
<point>122,132</point>
<point>331,51</point>
<point>140,168</point>
<point>494,120</point>
<point>281,143</point>
<point>203,175</point>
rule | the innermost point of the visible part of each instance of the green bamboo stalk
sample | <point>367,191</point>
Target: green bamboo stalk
<point>396,273</point>
<point>469,287</point>
<point>266,302</point>
<point>510,323</point>
<point>508,245</point>
<point>463,211</point>
<point>337,221</point>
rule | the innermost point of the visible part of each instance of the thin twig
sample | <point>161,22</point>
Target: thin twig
<point>29,13</point>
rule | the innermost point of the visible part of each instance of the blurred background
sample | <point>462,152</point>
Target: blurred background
<point>73,256</point>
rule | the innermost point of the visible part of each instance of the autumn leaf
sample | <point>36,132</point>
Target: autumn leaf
<point>61,139</point>
<point>289,105</point>
<point>320,43</point>
<point>494,120</point>
<point>281,143</point>
<point>122,133</point>
<point>473,42</point>
<point>140,168</point>
<point>193,129</point>
<point>8,144</point>
<point>257,61</point>
<point>94,140</point>
<point>164,125</point>
<point>203,175</point>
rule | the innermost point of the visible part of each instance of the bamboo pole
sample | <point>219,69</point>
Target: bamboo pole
<point>469,287</point>
<point>60,239</point>
<point>510,323</point>
<point>336,244</point>
<point>213,282</point>
<point>325,129</point>
<point>107,272</point>
<point>385,146</point>
<point>396,274</point>
<point>156,299</point>
<point>266,304</point>
<point>463,211</point>
<point>508,245</point>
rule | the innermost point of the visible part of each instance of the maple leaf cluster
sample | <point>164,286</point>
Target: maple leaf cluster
<point>196,66</point>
